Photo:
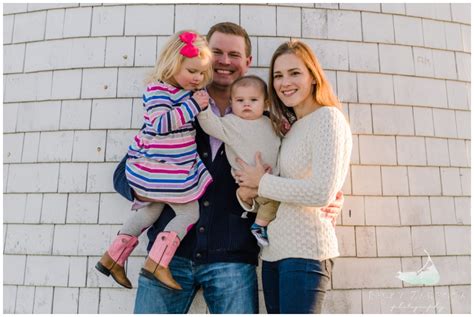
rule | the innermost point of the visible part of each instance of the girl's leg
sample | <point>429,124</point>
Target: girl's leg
<point>186,216</point>
<point>113,260</point>
<point>142,219</point>
<point>303,285</point>
<point>271,286</point>
<point>167,242</point>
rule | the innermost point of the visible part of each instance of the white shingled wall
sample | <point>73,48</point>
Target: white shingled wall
<point>73,76</point>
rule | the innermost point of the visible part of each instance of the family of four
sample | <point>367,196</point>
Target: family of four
<point>224,167</point>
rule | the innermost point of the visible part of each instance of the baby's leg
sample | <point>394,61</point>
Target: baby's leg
<point>142,219</point>
<point>186,216</point>
<point>267,211</point>
<point>265,214</point>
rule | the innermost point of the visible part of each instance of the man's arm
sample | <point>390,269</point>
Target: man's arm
<point>121,185</point>
<point>245,196</point>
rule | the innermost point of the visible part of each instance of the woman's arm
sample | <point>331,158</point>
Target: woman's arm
<point>331,154</point>
<point>164,114</point>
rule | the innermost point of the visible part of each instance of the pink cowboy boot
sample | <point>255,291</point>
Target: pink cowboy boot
<point>113,260</point>
<point>156,264</point>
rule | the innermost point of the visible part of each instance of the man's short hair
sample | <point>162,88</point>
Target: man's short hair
<point>233,29</point>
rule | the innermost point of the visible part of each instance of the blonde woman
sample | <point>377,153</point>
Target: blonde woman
<point>163,166</point>
<point>314,160</point>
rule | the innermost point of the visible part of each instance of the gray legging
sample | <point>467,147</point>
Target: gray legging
<point>186,216</point>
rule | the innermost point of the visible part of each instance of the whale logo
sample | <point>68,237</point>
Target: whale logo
<point>427,275</point>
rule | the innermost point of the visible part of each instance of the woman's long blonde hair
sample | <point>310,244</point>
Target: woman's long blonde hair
<point>322,92</point>
<point>170,60</point>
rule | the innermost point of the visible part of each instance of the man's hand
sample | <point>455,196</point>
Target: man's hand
<point>247,194</point>
<point>333,210</point>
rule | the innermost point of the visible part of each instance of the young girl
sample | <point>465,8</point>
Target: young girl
<point>245,132</point>
<point>163,166</point>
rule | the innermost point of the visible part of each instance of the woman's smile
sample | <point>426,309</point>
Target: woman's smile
<point>288,93</point>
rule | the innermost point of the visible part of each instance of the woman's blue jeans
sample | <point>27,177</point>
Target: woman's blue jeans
<point>296,286</point>
<point>227,288</point>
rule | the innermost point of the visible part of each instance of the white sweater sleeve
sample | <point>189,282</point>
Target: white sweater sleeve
<point>213,125</point>
<point>330,150</point>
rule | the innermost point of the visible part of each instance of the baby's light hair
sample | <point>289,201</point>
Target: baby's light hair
<point>252,80</point>
<point>170,60</point>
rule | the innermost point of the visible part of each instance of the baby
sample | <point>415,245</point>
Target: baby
<point>245,132</point>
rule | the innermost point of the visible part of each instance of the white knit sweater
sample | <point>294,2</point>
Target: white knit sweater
<point>314,160</point>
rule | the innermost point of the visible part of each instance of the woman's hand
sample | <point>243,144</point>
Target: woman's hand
<point>333,210</point>
<point>248,175</point>
<point>247,194</point>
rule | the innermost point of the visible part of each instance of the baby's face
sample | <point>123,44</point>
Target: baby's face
<point>248,102</point>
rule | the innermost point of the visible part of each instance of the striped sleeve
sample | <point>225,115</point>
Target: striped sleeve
<point>168,109</point>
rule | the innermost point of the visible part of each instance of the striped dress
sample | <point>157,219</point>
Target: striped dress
<point>163,162</point>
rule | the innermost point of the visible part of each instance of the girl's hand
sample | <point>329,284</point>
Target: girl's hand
<point>202,98</point>
<point>249,176</point>
<point>333,210</point>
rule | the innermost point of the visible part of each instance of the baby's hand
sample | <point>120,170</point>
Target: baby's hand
<point>202,98</point>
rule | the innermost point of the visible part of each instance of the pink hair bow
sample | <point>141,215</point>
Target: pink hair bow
<point>189,50</point>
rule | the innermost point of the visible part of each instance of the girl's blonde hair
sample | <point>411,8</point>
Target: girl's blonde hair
<point>322,92</point>
<point>170,60</point>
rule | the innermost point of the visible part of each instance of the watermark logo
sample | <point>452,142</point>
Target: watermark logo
<point>427,275</point>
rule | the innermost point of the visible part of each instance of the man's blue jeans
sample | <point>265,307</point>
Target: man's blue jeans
<point>295,286</point>
<point>227,288</point>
